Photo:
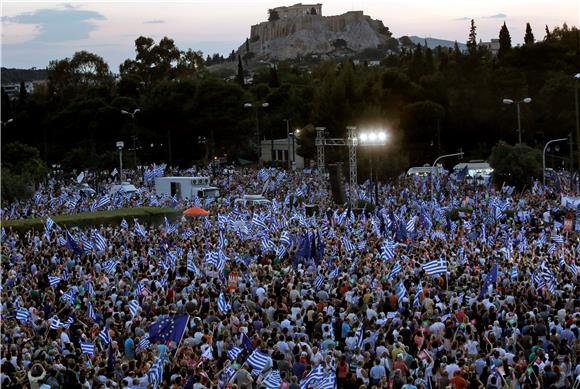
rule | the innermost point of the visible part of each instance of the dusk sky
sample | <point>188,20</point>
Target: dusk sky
<point>33,33</point>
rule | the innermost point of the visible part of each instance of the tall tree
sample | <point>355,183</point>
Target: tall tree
<point>505,41</point>
<point>472,41</point>
<point>529,37</point>
<point>240,74</point>
<point>23,92</point>
<point>548,36</point>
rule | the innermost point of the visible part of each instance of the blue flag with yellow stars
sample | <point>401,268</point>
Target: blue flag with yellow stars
<point>168,329</point>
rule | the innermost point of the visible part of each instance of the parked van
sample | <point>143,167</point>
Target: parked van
<point>253,200</point>
<point>426,170</point>
<point>185,187</point>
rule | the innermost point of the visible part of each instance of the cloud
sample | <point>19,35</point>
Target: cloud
<point>155,21</point>
<point>461,19</point>
<point>58,25</point>
<point>496,16</point>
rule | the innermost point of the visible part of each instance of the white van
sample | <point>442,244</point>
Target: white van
<point>252,200</point>
<point>477,168</point>
<point>426,170</point>
<point>124,188</point>
<point>185,187</point>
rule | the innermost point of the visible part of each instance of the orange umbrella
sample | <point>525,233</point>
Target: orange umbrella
<point>195,211</point>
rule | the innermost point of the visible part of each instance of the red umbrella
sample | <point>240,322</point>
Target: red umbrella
<point>195,211</point>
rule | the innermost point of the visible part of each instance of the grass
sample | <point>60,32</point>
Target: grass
<point>92,219</point>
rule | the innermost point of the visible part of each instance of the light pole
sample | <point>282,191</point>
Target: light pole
<point>372,138</point>
<point>4,124</point>
<point>526,100</point>
<point>120,146</point>
<point>288,141</point>
<point>544,156</point>
<point>132,114</point>
<point>257,107</point>
<point>459,154</point>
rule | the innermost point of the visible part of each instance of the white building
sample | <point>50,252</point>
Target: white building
<point>282,150</point>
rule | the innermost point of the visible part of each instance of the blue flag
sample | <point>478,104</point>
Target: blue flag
<point>72,244</point>
<point>168,329</point>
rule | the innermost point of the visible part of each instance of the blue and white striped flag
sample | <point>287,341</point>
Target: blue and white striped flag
<point>313,378</point>
<point>573,269</point>
<point>346,244</point>
<point>109,266</point>
<point>329,381</point>
<point>91,312</point>
<point>557,238</point>
<point>155,373</point>
<point>143,344</point>
<point>103,201</point>
<point>286,238</point>
<point>418,292</point>
<point>134,307</point>
<point>87,348</point>
<point>435,267</point>
<point>124,224</point>
<point>87,244</point>
<point>401,292</point>
<point>223,305</point>
<point>514,274</point>
<point>100,242</point>
<point>53,281</point>
<point>359,335</point>
<point>139,230</point>
<point>185,235</point>
<point>388,250</point>
<point>258,360</point>
<point>234,352</point>
<point>22,315</point>
<point>394,271</point>
<point>272,380</point>
<point>104,336</point>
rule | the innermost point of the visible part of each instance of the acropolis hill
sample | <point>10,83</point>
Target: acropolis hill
<point>300,30</point>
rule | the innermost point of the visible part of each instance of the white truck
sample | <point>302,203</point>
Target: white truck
<point>185,187</point>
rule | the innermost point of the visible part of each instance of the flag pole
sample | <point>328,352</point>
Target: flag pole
<point>182,334</point>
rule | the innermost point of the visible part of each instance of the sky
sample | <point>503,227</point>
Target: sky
<point>33,33</point>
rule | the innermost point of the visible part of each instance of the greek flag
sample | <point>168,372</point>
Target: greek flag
<point>22,315</point>
<point>91,312</point>
<point>557,238</point>
<point>418,292</point>
<point>89,288</point>
<point>259,222</point>
<point>551,249</point>
<point>134,307</point>
<point>110,266</point>
<point>410,226</point>
<point>169,228</point>
<point>318,282</point>
<point>104,335</point>
<point>49,223</point>
<point>346,244</point>
<point>329,382</point>
<point>272,380</point>
<point>68,297</point>
<point>143,344</point>
<point>573,269</point>
<point>124,224</point>
<point>359,335</point>
<point>223,305</point>
<point>87,348</point>
<point>191,265</point>
<point>87,245</point>
<point>100,242</point>
<point>401,292</point>
<point>313,378</point>
<point>222,241</point>
<point>514,275</point>
<point>435,267</point>
<point>139,230</point>
<point>55,323</point>
<point>155,374</point>
<point>394,271</point>
<point>267,245</point>
<point>207,354</point>
<point>187,234</point>
<point>388,250</point>
<point>53,281</point>
<point>234,352</point>
<point>103,201</point>
<point>258,360</point>
<point>334,273</point>
<point>562,262</point>
<point>286,238</point>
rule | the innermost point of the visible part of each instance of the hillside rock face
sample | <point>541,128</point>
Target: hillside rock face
<point>314,34</point>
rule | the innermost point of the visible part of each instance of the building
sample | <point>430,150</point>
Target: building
<point>492,46</point>
<point>281,150</point>
<point>299,9</point>
<point>13,89</point>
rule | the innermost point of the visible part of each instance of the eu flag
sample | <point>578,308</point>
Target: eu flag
<point>71,244</point>
<point>168,329</point>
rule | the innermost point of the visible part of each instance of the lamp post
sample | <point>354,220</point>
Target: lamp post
<point>288,141</point>
<point>120,146</point>
<point>372,138</point>
<point>459,154</point>
<point>134,137</point>
<point>256,107</point>
<point>526,100</point>
<point>544,156</point>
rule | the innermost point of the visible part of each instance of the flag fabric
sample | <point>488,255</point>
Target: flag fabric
<point>87,244</point>
<point>104,335</point>
<point>435,267</point>
<point>87,348</point>
<point>573,269</point>
<point>272,380</point>
<point>155,373</point>
<point>246,343</point>
<point>134,307</point>
<point>259,360</point>
<point>72,244</point>
<point>22,315</point>
<point>91,312</point>
<point>100,242</point>
<point>49,224</point>
<point>53,281</point>
<point>124,224</point>
<point>168,329</point>
<point>143,344</point>
<point>394,271</point>
<point>359,335</point>
<point>313,378</point>
<point>514,274</point>
<point>223,305</point>
<point>401,292</point>
<point>388,250</point>
<point>139,230</point>
<point>418,292</point>
<point>234,352</point>
<point>346,244</point>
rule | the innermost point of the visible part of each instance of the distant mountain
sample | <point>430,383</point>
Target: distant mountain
<point>16,75</point>
<point>434,42</point>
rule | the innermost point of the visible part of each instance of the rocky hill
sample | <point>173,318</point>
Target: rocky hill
<point>302,35</point>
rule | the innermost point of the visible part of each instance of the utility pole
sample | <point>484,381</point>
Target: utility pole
<point>288,141</point>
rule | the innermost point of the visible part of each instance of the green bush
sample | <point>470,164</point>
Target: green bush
<point>149,215</point>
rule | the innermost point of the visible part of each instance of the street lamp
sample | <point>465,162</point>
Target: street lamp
<point>293,135</point>
<point>459,154</point>
<point>120,146</point>
<point>372,138</point>
<point>4,124</point>
<point>544,156</point>
<point>132,114</point>
<point>257,106</point>
<point>526,100</point>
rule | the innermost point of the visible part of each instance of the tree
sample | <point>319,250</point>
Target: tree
<point>505,41</point>
<point>515,165</point>
<point>529,37</point>
<point>274,82</point>
<point>472,40</point>
<point>22,168</point>
<point>247,45</point>
<point>273,15</point>
<point>82,70</point>
<point>23,93</point>
<point>548,36</point>
<point>240,74</point>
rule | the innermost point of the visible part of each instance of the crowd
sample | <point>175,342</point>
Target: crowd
<point>465,287</point>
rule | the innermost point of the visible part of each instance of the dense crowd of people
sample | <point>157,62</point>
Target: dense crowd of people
<point>460,287</point>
